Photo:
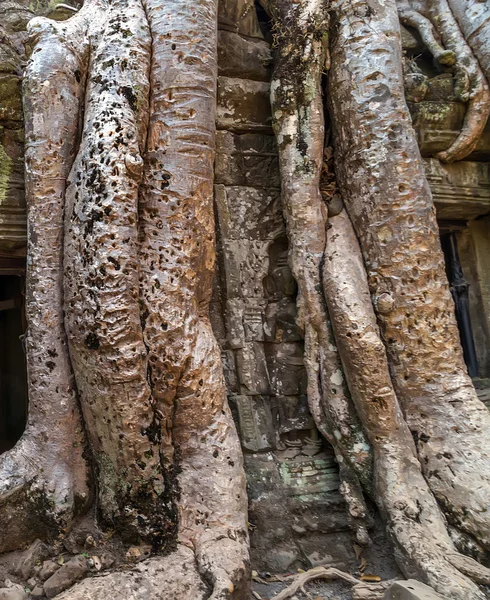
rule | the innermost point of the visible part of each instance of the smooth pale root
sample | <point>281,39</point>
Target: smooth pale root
<point>297,110</point>
<point>46,467</point>
<point>101,276</point>
<point>388,199</point>
<point>176,255</point>
<point>410,511</point>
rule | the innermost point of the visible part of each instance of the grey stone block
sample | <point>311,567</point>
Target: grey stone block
<point>411,589</point>
<point>243,105</point>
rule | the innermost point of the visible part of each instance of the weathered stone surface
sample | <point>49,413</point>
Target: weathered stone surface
<point>239,16</point>
<point>66,576</point>
<point>460,190</point>
<point>243,105</point>
<point>172,577</point>
<point>252,370</point>
<point>411,590</point>
<point>10,98</point>
<point>248,159</point>
<point>438,124</point>
<point>440,88</point>
<point>246,265</point>
<point>49,567</point>
<point>291,413</point>
<point>229,370</point>
<point>33,556</point>
<point>254,422</point>
<point>309,476</point>
<point>12,594</point>
<point>249,213</point>
<point>280,322</point>
<point>245,58</point>
<point>285,364</point>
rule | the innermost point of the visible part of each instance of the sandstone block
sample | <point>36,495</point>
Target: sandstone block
<point>239,16</point>
<point>243,57</point>
<point>32,557</point>
<point>246,263</point>
<point>438,124</point>
<point>248,159</point>
<point>66,576</point>
<point>252,370</point>
<point>249,213</point>
<point>243,105</point>
<point>254,422</point>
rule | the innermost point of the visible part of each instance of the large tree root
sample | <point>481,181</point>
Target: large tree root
<point>177,259</point>
<point>139,262</point>
<point>412,516</point>
<point>473,17</point>
<point>312,574</point>
<point>101,276</point>
<point>297,110</point>
<point>388,199</point>
<point>44,479</point>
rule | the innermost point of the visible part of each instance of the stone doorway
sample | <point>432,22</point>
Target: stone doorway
<point>466,246</point>
<point>13,375</point>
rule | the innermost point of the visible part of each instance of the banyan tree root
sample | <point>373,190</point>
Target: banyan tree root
<point>297,110</point>
<point>44,479</point>
<point>138,218</point>
<point>413,519</point>
<point>429,17</point>
<point>177,253</point>
<point>479,95</point>
<point>384,188</point>
<point>473,17</point>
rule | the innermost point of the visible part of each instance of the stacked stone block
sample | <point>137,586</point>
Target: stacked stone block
<point>296,511</point>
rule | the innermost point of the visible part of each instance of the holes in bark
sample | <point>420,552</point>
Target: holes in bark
<point>92,341</point>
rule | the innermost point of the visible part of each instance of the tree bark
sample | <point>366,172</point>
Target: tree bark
<point>473,17</point>
<point>101,275</point>
<point>412,517</point>
<point>298,123</point>
<point>138,270</point>
<point>177,253</point>
<point>388,199</point>
<point>44,479</point>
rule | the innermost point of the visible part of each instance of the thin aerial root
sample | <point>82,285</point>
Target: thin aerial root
<point>302,579</point>
<point>413,18</point>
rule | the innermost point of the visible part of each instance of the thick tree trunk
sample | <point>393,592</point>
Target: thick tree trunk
<point>388,199</point>
<point>432,17</point>
<point>138,270</point>
<point>101,275</point>
<point>177,260</point>
<point>478,93</point>
<point>44,479</point>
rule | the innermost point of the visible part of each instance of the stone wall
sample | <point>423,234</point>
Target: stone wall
<point>296,511</point>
